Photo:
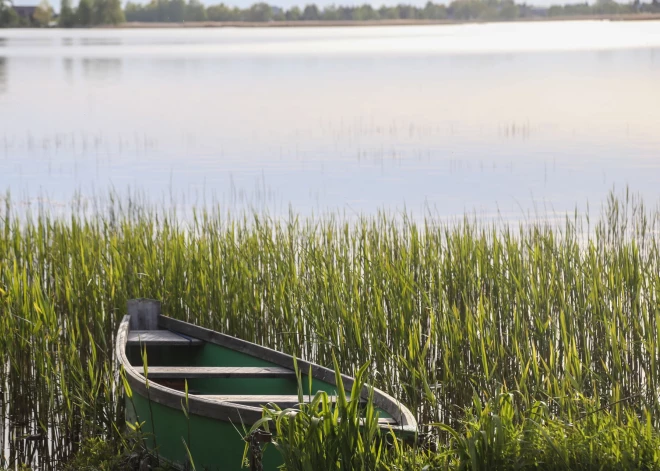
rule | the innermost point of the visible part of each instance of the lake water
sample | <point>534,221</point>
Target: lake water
<point>495,118</point>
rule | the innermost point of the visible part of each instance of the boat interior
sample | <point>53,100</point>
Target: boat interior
<point>219,373</point>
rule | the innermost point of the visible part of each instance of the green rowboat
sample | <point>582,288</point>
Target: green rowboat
<point>229,381</point>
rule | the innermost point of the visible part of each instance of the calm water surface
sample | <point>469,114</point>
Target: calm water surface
<point>505,118</point>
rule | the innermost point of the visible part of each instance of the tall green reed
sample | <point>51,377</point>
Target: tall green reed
<point>437,310</point>
<point>321,435</point>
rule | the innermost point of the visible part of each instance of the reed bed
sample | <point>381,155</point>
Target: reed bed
<point>442,313</point>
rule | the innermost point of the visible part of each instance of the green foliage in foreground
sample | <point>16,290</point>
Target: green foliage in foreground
<point>320,435</point>
<point>566,316</point>
<point>498,435</point>
<point>503,433</point>
<point>128,454</point>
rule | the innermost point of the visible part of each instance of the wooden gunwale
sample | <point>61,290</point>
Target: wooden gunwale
<point>188,372</point>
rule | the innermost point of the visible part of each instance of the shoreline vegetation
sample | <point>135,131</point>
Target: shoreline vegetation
<point>518,347</point>
<point>347,23</point>
<point>192,13</point>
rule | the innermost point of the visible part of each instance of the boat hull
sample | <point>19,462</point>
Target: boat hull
<point>207,389</point>
<point>214,445</point>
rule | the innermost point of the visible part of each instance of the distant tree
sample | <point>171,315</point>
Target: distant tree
<point>577,9</point>
<point>311,12</point>
<point>238,13</point>
<point>98,11</point>
<point>465,10</point>
<point>67,17</point>
<point>162,10</point>
<point>330,13</point>
<point>156,10</point>
<point>84,13</point>
<point>555,10</point>
<point>508,10</point>
<point>114,14</point>
<point>8,16</point>
<point>407,12</point>
<point>607,7</point>
<point>195,11</point>
<point>174,11</point>
<point>43,14</point>
<point>365,13</point>
<point>434,11</point>
<point>526,11</point>
<point>468,9</point>
<point>293,14</point>
<point>107,12</point>
<point>220,12</point>
<point>389,13</point>
<point>134,12</point>
<point>259,12</point>
<point>345,13</point>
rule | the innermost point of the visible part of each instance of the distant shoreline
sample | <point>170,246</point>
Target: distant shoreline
<point>316,24</point>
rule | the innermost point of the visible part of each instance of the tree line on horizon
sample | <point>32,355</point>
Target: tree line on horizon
<point>110,12</point>
<point>86,13</point>
<point>458,10</point>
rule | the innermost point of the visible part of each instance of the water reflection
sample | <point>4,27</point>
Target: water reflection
<point>102,69</point>
<point>90,41</point>
<point>67,64</point>
<point>332,127</point>
<point>3,75</point>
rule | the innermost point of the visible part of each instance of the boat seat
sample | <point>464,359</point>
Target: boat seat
<point>283,401</point>
<point>164,338</point>
<point>180,372</point>
<point>387,421</point>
